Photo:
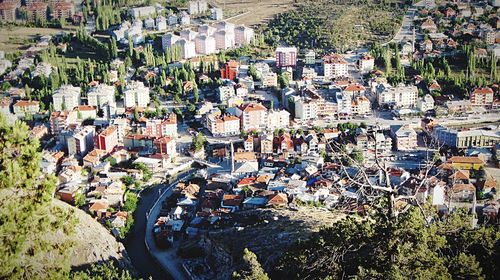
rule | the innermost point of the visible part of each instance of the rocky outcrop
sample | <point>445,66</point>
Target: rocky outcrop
<point>92,242</point>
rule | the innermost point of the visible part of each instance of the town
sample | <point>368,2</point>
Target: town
<point>183,105</point>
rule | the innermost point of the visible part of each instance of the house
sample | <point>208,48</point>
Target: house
<point>278,200</point>
<point>404,137</point>
<point>429,25</point>
<point>68,193</point>
<point>26,107</point>
<point>463,193</point>
<point>254,202</point>
<point>232,202</point>
<point>466,163</point>
<point>99,207</point>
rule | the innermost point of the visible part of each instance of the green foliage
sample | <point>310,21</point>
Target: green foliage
<point>107,271</point>
<point>79,200</point>
<point>403,248</point>
<point>198,142</point>
<point>146,173</point>
<point>251,270</point>
<point>127,180</point>
<point>130,203</point>
<point>28,218</point>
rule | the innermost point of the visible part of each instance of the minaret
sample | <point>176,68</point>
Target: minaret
<point>232,157</point>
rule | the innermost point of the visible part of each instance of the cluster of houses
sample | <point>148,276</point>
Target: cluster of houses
<point>33,10</point>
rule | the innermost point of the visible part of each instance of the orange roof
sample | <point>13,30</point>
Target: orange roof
<point>483,90</point>
<point>108,131</point>
<point>37,6</point>
<point>230,118</point>
<point>463,187</point>
<point>473,160</point>
<point>245,156</point>
<point>334,59</point>
<point>278,199</point>
<point>354,87</point>
<point>85,108</point>
<point>461,175</point>
<point>246,181</point>
<point>252,107</point>
<point>25,103</point>
<point>232,199</point>
<point>99,206</point>
<point>162,140</point>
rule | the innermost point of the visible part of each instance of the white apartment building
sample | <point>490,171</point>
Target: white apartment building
<point>400,96</point>
<point>122,127</point>
<point>226,26</point>
<point>217,14</point>
<point>223,125</point>
<point>361,105</point>
<point>168,40</point>
<point>136,95</point>
<point>425,103</point>
<point>188,34</point>
<point>278,119</point>
<point>335,66</point>
<point>161,23</point>
<point>286,56</point>
<point>66,97</point>
<point>306,109</point>
<point>188,48</point>
<point>253,116</point>
<point>101,95</point>
<point>139,12</point>
<point>243,35</point>
<point>224,40</point>
<point>197,7</point>
<point>81,142</point>
<point>204,44</point>
<point>224,93</point>
<point>206,29</point>
<point>366,63</point>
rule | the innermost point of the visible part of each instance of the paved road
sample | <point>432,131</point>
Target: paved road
<point>405,32</point>
<point>136,248</point>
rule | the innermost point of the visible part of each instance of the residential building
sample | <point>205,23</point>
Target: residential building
<point>8,11</point>
<point>253,116</point>
<point>360,105</point>
<point>489,36</point>
<point>230,70</point>
<point>425,103</point>
<point>149,23</point>
<point>224,93</point>
<point>188,34</point>
<point>162,127</point>
<point>197,7</point>
<point>278,119</point>
<point>334,66</point>
<point>84,112</point>
<point>224,40</point>
<point>286,56</point>
<point>102,97</point>
<point>459,106</point>
<point>165,145</point>
<point>310,57</point>
<point>243,35</point>
<point>168,40</point>
<point>142,12</point>
<point>217,13</point>
<point>366,63</point>
<point>400,96</point>
<point>482,97</point>
<point>26,107</point>
<point>172,19</point>
<point>107,139</point>
<point>404,137</point>
<point>59,120</point>
<point>66,97</point>
<point>161,23</point>
<point>270,80</point>
<point>466,163</point>
<point>63,10</point>
<point>261,69</point>
<point>306,109</point>
<point>188,48</point>
<point>206,30</point>
<point>204,44</point>
<point>465,138</point>
<point>223,125</point>
<point>81,142</point>
<point>136,95</point>
<point>36,10</point>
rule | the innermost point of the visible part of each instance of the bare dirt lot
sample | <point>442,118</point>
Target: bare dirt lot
<point>252,12</point>
<point>16,38</point>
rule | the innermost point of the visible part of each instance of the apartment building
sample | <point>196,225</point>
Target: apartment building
<point>162,127</point>
<point>188,34</point>
<point>404,137</point>
<point>286,56</point>
<point>66,97</point>
<point>360,105</point>
<point>165,145</point>
<point>102,96</point>
<point>243,35</point>
<point>136,95</point>
<point>36,10</point>
<point>224,40</point>
<point>465,138</point>
<point>230,70</point>
<point>482,97</point>
<point>168,40</point>
<point>204,44</point>
<point>253,116</point>
<point>23,107</point>
<point>335,66</point>
<point>59,120</point>
<point>224,93</point>
<point>8,11</point>
<point>278,119</point>
<point>306,108</point>
<point>63,10</point>
<point>400,96</point>
<point>223,125</point>
<point>107,139</point>
<point>425,103</point>
<point>207,30</point>
<point>81,142</point>
<point>366,63</point>
<point>197,7</point>
<point>188,48</point>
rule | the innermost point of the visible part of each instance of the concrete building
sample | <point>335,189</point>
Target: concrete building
<point>136,95</point>
<point>59,120</point>
<point>141,12</point>
<point>206,30</point>
<point>204,44</point>
<point>188,34</point>
<point>278,119</point>
<point>400,96</point>
<point>102,97</point>
<point>161,23</point>
<point>270,80</point>
<point>63,10</point>
<point>224,40</point>
<point>366,63</point>
<point>462,139</point>
<point>334,66</point>
<point>286,56</point>
<point>122,128</point>
<point>425,103</point>
<point>197,7</point>
<point>188,48</point>
<point>66,97</point>
<point>24,107</point>
<point>107,140</point>
<point>253,116</point>
<point>243,35</point>
<point>36,10</point>
<point>223,125</point>
<point>168,40</point>
<point>404,137</point>
<point>8,11</point>
<point>482,97</point>
<point>81,142</point>
<point>162,127</point>
<point>224,93</point>
<point>217,14</point>
<point>310,57</point>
